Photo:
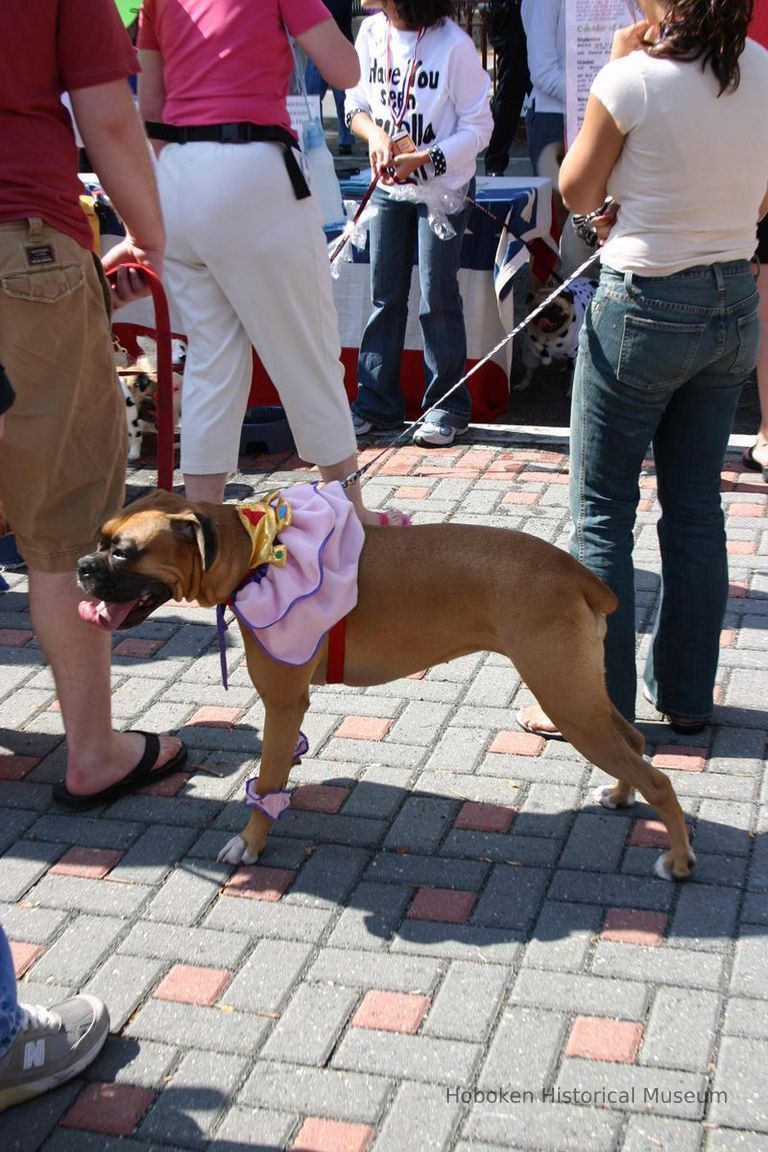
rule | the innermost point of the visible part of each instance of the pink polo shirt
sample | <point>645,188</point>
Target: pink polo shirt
<point>226,60</point>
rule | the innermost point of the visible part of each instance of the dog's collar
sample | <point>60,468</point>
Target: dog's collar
<point>262,520</point>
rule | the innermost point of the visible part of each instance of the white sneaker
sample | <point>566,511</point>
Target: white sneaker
<point>52,1047</point>
<point>436,435</point>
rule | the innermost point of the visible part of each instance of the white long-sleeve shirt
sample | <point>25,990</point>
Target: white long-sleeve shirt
<point>544,23</point>
<point>447,100</point>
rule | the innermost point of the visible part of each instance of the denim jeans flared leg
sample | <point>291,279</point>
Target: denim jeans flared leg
<point>661,361</point>
<point>393,237</point>
<point>441,315</point>
<point>10,1012</point>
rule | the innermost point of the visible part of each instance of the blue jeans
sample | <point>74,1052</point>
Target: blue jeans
<point>10,1012</point>
<point>396,230</point>
<point>317,85</point>
<point>661,361</point>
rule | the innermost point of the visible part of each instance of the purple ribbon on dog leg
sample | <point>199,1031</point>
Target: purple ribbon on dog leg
<point>301,749</point>
<point>272,804</point>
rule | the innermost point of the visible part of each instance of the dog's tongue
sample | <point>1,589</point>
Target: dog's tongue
<point>104,615</point>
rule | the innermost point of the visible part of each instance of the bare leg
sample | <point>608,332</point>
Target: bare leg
<point>344,469</point>
<point>80,657</point>
<point>205,489</point>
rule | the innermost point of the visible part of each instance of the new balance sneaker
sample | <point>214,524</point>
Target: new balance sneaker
<point>436,434</point>
<point>52,1047</point>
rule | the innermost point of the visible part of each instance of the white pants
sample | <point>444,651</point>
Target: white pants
<point>247,265</point>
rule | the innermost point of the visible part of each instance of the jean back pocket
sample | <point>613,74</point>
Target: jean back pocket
<point>658,354</point>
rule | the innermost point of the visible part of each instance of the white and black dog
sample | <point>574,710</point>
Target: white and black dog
<point>138,383</point>
<point>554,334</point>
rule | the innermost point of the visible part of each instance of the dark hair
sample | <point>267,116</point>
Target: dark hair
<point>423,13</point>
<point>713,31</point>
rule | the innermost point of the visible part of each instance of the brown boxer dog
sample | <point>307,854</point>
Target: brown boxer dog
<point>426,594</point>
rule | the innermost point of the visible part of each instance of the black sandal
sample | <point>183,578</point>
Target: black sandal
<point>139,777</point>
<point>750,461</point>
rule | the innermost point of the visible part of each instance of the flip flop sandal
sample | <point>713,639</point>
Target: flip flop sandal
<point>551,734</point>
<point>139,777</point>
<point>752,463</point>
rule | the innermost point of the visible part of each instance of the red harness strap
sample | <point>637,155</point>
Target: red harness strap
<point>337,640</point>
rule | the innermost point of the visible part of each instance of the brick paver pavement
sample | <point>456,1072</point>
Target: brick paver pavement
<point>446,945</point>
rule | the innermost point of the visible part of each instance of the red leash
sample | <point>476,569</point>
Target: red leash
<point>165,443</point>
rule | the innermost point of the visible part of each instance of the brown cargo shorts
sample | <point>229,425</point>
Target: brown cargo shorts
<point>63,456</point>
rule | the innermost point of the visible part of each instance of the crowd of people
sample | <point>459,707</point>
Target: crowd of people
<point>669,340</point>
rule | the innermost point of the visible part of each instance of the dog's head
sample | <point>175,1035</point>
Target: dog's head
<point>155,550</point>
<point>554,320</point>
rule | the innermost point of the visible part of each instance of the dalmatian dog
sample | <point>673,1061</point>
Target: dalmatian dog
<point>138,383</point>
<point>554,334</point>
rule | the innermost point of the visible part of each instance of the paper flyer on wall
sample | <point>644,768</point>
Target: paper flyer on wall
<point>589,29</point>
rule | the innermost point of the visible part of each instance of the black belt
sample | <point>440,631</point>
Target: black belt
<point>238,133</point>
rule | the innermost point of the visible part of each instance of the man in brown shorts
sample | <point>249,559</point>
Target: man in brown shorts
<point>63,457</point>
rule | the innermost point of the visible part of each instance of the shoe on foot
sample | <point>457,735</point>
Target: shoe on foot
<point>680,725</point>
<point>52,1047</point>
<point>361,426</point>
<point>751,460</point>
<point>436,434</point>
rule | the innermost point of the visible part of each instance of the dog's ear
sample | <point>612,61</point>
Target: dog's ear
<point>197,529</point>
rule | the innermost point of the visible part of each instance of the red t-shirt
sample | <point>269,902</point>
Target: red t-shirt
<point>226,60</point>
<point>758,28</point>
<point>48,47</point>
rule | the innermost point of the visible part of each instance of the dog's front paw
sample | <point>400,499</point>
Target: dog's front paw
<point>236,851</point>
<point>608,796</point>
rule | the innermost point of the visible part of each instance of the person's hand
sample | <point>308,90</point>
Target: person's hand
<point>635,38</point>
<point>603,224</point>
<point>403,166</point>
<point>380,152</point>
<point>129,284</point>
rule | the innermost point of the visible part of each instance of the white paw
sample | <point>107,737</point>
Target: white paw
<point>663,868</point>
<point>236,852</point>
<point>604,796</point>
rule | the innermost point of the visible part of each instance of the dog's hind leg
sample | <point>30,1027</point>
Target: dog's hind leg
<point>576,700</point>
<point>282,724</point>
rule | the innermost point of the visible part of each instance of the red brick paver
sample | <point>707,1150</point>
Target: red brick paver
<point>319,797</point>
<point>189,985</point>
<point>678,759</point>
<point>649,834</point>
<point>24,956</point>
<point>137,648</point>
<point>597,1038</point>
<point>518,744</point>
<point>90,863</point>
<point>391,1012</point>
<point>474,817</point>
<point>443,905</point>
<point>216,717</point>
<point>111,1109</point>
<point>17,767</point>
<point>258,883</point>
<point>363,728</point>
<point>332,1136</point>
<point>634,926</point>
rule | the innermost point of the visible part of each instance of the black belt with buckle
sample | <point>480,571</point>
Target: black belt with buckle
<point>239,133</point>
